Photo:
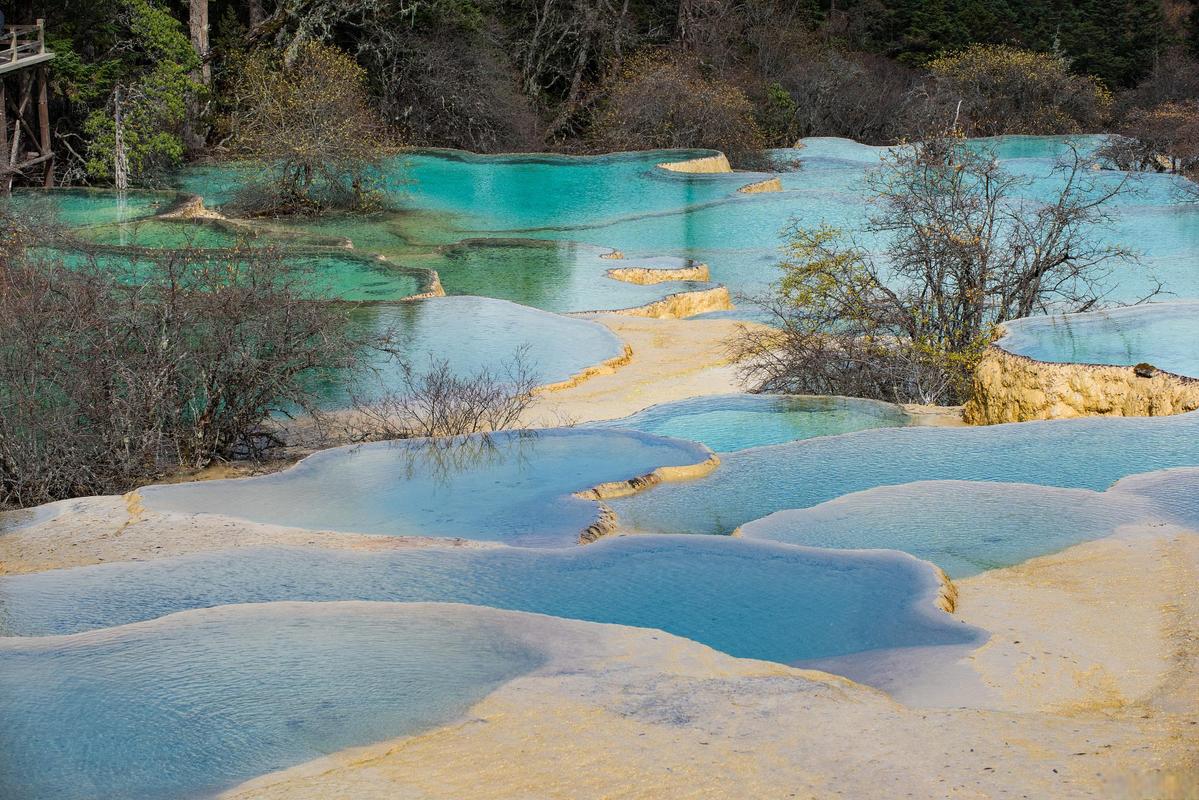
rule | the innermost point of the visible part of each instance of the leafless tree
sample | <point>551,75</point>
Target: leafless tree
<point>965,250</point>
<point>662,100</point>
<point>439,401</point>
<point>116,368</point>
<point>311,124</point>
<point>1164,138</point>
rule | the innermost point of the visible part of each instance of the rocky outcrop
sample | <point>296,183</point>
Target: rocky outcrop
<point>682,304</point>
<point>614,489</point>
<point>430,283</point>
<point>646,276</point>
<point>1013,388</point>
<point>947,592</point>
<point>603,368</point>
<point>190,207</point>
<point>700,166</point>
<point>769,185</point>
<point>606,523</point>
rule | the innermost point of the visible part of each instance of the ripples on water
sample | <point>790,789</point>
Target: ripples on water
<point>513,487</point>
<point>191,705</point>
<point>739,421</point>
<point>1165,335</point>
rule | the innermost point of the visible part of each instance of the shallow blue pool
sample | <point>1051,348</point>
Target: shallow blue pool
<point>188,706</point>
<point>967,527</point>
<point>737,421</point>
<point>514,487</point>
<point>1165,335</point>
<point>473,334</point>
<point>750,599</point>
<point>1084,453</point>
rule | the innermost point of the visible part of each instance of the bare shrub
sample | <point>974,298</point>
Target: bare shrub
<point>661,100</point>
<point>436,401</point>
<point>828,92</point>
<point>1174,79</point>
<point>1161,139</point>
<point>963,254</point>
<point>311,123</point>
<point>114,373</point>
<point>1000,90</point>
<point>443,94</point>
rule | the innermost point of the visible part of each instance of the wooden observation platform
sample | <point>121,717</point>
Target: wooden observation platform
<point>24,112</point>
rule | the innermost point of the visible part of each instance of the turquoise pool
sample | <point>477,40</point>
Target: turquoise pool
<point>556,276</point>
<point>1081,453</point>
<point>320,274</point>
<point>739,421</point>
<point>751,599</point>
<point>624,201</point>
<point>1165,335</point>
<point>514,487</point>
<point>187,706</point>
<point>503,192</point>
<point>87,207</point>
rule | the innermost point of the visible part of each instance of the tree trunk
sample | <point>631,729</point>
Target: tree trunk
<point>195,131</point>
<point>683,22</point>
<point>257,13</point>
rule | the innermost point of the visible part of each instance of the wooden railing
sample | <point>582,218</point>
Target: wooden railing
<point>22,41</point>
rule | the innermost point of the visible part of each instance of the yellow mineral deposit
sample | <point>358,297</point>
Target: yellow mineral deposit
<point>1013,388</point>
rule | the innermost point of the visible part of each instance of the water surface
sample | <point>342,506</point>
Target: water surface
<point>471,334</point>
<point>739,421</point>
<point>191,705</point>
<point>750,599</point>
<point>1165,335</point>
<point>82,207</point>
<point>964,527</point>
<point>1081,453</point>
<point>555,276</point>
<point>514,487</point>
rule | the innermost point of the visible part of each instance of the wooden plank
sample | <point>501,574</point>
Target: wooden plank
<point>24,165</point>
<point>3,118</point>
<point>29,61</point>
<point>6,183</point>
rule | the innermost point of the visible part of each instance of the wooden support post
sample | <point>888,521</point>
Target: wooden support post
<point>3,116</point>
<point>14,148</point>
<point>6,166</point>
<point>43,123</point>
<point>25,81</point>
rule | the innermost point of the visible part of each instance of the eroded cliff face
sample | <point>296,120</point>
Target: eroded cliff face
<point>647,276</point>
<point>758,187</point>
<point>682,304</point>
<point>700,166</point>
<point>1012,388</point>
